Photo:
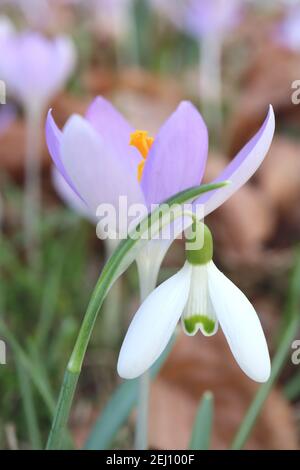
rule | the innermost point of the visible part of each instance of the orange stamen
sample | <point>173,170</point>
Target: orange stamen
<point>143,142</point>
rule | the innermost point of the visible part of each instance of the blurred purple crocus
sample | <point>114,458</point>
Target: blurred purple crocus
<point>96,162</point>
<point>288,32</point>
<point>35,67</point>
<point>201,17</point>
<point>208,22</point>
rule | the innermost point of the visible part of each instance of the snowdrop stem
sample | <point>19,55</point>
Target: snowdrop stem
<point>141,429</point>
<point>147,285</point>
<point>210,77</point>
<point>32,196</point>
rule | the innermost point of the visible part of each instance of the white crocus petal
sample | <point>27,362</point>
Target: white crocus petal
<point>199,312</point>
<point>154,324</point>
<point>240,325</point>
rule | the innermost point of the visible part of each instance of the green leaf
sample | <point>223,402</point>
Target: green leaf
<point>119,407</point>
<point>292,388</point>
<point>201,435</point>
<point>280,357</point>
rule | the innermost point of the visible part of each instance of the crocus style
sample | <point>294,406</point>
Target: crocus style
<point>34,67</point>
<point>94,158</point>
<point>203,297</point>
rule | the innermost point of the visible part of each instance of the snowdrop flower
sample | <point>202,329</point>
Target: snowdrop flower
<point>202,297</point>
<point>95,160</point>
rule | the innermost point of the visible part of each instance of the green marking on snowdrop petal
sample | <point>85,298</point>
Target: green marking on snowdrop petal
<point>191,324</point>
<point>204,254</point>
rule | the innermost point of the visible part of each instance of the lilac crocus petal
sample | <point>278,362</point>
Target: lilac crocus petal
<point>71,199</point>
<point>53,139</point>
<point>35,67</point>
<point>98,174</point>
<point>215,16</point>
<point>114,129</point>
<point>288,32</point>
<point>177,158</point>
<point>242,167</point>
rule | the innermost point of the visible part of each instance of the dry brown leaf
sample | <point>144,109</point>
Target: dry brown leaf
<point>279,176</point>
<point>12,148</point>
<point>268,80</point>
<point>198,364</point>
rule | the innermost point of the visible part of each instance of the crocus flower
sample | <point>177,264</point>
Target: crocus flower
<point>200,17</point>
<point>34,67</point>
<point>95,159</point>
<point>288,32</point>
<point>203,297</point>
<point>38,14</point>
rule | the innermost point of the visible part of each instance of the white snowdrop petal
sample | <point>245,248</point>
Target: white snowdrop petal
<point>240,325</point>
<point>199,313</point>
<point>153,325</point>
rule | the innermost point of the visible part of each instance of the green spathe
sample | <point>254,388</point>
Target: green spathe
<point>204,254</point>
<point>191,323</point>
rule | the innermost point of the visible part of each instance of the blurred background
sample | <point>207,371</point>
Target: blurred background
<point>231,59</point>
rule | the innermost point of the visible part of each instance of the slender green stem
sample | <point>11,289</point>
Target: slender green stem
<point>147,284</point>
<point>65,399</point>
<point>32,194</point>
<point>211,81</point>
<point>109,274</point>
<point>278,362</point>
<point>29,407</point>
<point>142,418</point>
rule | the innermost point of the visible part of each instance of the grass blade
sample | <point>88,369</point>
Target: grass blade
<point>279,359</point>
<point>201,434</point>
<point>29,407</point>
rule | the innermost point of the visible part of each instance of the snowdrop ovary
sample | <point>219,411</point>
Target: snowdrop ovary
<point>203,254</point>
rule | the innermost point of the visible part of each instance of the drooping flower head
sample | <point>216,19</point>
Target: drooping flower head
<point>203,297</point>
